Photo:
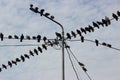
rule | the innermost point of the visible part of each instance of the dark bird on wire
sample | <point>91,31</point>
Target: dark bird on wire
<point>31,53</point>
<point>16,37</point>
<point>4,66</point>
<point>104,44</point>
<point>58,35</point>
<point>104,22</point>
<point>42,12</point>
<point>32,9</point>
<point>34,37</point>
<point>44,39</point>
<point>50,43</point>
<point>22,58</point>
<point>91,28</point>
<point>21,38</point>
<point>44,46</point>
<point>73,34</point>
<point>35,51</point>
<point>40,49</point>
<point>84,69</point>
<point>109,45</point>
<point>118,13</point>
<point>87,29</point>
<point>81,64</point>
<point>38,38</point>
<point>26,56</point>
<point>95,25</point>
<point>82,39</point>
<point>9,37</point>
<point>18,60</point>
<point>115,16</point>
<point>0,69</point>
<point>28,37</point>
<point>9,64</point>
<point>96,42</point>
<point>83,30</point>
<point>46,14</point>
<point>1,36</point>
<point>101,23</point>
<point>68,36</point>
<point>107,20</point>
<point>79,32</point>
<point>52,17</point>
<point>14,62</point>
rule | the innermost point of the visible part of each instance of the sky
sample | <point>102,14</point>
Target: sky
<point>101,62</point>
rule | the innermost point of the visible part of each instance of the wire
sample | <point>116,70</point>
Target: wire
<point>20,45</point>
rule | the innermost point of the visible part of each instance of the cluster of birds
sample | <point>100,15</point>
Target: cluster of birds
<point>41,12</point>
<point>22,58</point>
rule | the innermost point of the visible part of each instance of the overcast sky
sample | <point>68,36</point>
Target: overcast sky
<point>102,63</point>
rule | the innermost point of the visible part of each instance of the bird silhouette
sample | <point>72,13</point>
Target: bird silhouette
<point>95,25</point>
<point>35,51</point>
<point>14,62</point>
<point>101,23</point>
<point>4,66</point>
<point>0,69</point>
<point>34,37</point>
<point>58,35</point>
<point>52,17</point>
<point>46,14</point>
<point>73,34</point>
<point>107,20</point>
<point>68,36</point>
<point>97,42</point>
<point>109,45</point>
<point>21,38</point>
<point>38,38</point>
<point>83,30</point>
<point>28,37</point>
<point>79,32</point>
<point>18,60</point>
<point>104,22</point>
<point>81,64</point>
<point>9,64</point>
<point>40,49</point>
<point>50,43</point>
<point>115,16</point>
<point>16,37</point>
<point>91,28</point>
<point>84,69</point>
<point>22,58</point>
<point>104,44</point>
<point>32,9</point>
<point>26,56</point>
<point>42,12</point>
<point>82,39</point>
<point>87,29</point>
<point>9,37</point>
<point>44,46</point>
<point>118,13</point>
<point>31,53</point>
<point>1,36</point>
<point>44,39</point>
<point>36,10</point>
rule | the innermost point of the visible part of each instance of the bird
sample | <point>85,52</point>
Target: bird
<point>34,37</point>
<point>115,16</point>
<point>28,37</point>
<point>26,56</point>
<point>4,66</point>
<point>46,14</point>
<point>32,9</point>
<point>97,42</point>
<point>31,53</point>
<point>44,39</point>
<point>79,32</point>
<point>16,37</point>
<point>82,39</point>
<point>35,51</point>
<point>107,20</point>
<point>52,17</point>
<point>9,37</point>
<point>118,13</point>
<point>42,12</point>
<point>68,36</point>
<point>104,22</point>
<point>83,30</point>
<point>81,64</point>
<point>73,34</point>
<point>95,25</point>
<point>44,46</point>
<point>18,60</point>
<point>0,69</point>
<point>14,62</point>
<point>58,35</point>
<point>104,44</point>
<point>101,23</point>
<point>84,69</point>
<point>38,38</point>
<point>50,43</point>
<point>91,28</point>
<point>109,45</point>
<point>21,38</point>
<point>40,49</point>
<point>22,58</point>
<point>9,63</point>
<point>87,29</point>
<point>36,10</point>
<point>1,36</point>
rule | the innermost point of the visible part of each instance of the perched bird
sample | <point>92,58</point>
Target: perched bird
<point>44,46</point>
<point>101,23</point>
<point>34,37</point>
<point>4,66</point>
<point>104,22</point>
<point>115,16</point>
<point>97,42</point>
<point>107,20</point>
<point>58,35</point>
<point>40,49</point>
<point>44,39</point>
<point>32,9</point>
<point>18,60</point>
<point>0,69</point>
<point>91,28</point>
<point>109,45</point>
<point>21,38</point>
<point>81,64</point>
<point>68,36</point>
<point>82,39</point>
<point>9,63</point>
<point>31,53</point>
<point>26,56</point>
<point>16,37</point>
<point>87,29</point>
<point>1,36</point>
<point>84,69</point>
<point>104,44</point>
<point>50,43</point>
<point>28,37</point>
<point>79,32</point>
<point>35,51</point>
<point>46,14</point>
<point>95,25</point>
<point>9,37</point>
<point>42,12</point>
<point>14,62</point>
<point>22,58</point>
<point>83,30</point>
<point>52,17</point>
<point>38,38</point>
<point>118,13</point>
<point>36,10</point>
<point>73,34</point>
